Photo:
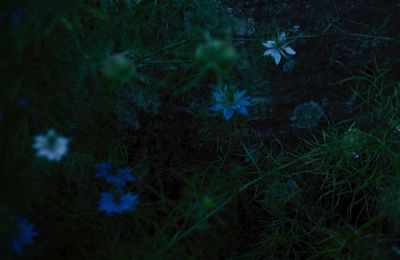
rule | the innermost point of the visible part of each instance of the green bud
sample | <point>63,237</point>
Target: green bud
<point>207,204</point>
<point>118,67</point>
<point>216,56</point>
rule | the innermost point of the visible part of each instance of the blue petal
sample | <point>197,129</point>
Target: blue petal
<point>219,97</point>
<point>128,202</point>
<point>245,101</point>
<point>103,169</point>
<point>217,107</point>
<point>238,95</point>
<point>125,174</point>
<point>24,236</point>
<point>107,203</point>
<point>228,113</point>
<point>243,110</point>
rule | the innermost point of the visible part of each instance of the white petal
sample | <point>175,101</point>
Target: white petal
<point>289,51</point>
<point>268,52</point>
<point>269,44</point>
<point>277,57</point>
<point>282,37</point>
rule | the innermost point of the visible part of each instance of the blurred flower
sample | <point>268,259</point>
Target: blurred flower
<point>119,177</point>
<point>307,115</point>
<point>15,17</point>
<point>207,203</point>
<point>110,206</point>
<point>119,67</point>
<point>229,100</point>
<point>278,48</point>
<point>396,250</point>
<point>51,146</point>
<point>289,65</point>
<point>355,155</point>
<point>22,102</point>
<point>24,235</point>
<point>216,56</point>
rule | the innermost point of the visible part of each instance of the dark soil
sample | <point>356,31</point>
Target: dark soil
<point>321,61</point>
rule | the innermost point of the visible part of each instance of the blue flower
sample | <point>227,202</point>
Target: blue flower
<point>230,101</point>
<point>22,102</point>
<point>24,235</point>
<point>110,206</point>
<point>119,177</point>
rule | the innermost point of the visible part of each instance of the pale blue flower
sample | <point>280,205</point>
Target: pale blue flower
<point>111,206</point>
<point>229,101</point>
<point>51,146</point>
<point>24,235</point>
<point>278,48</point>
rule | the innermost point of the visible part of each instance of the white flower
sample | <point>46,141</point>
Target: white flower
<point>278,48</point>
<point>51,146</point>
<point>355,155</point>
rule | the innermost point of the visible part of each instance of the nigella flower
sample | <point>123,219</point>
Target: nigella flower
<point>229,101</point>
<point>278,48</point>
<point>24,235</point>
<point>51,146</point>
<point>119,177</point>
<point>111,206</point>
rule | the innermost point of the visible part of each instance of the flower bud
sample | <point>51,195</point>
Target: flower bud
<point>118,67</point>
<point>207,204</point>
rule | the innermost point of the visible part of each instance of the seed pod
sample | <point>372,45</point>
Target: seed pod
<point>216,56</point>
<point>118,67</point>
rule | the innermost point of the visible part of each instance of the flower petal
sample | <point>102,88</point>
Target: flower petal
<point>277,56</point>
<point>238,95</point>
<point>289,51</point>
<point>219,97</point>
<point>245,102</point>
<point>269,52</point>
<point>282,37</point>
<point>243,110</point>
<point>228,113</point>
<point>269,44</point>
<point>216,107</point>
